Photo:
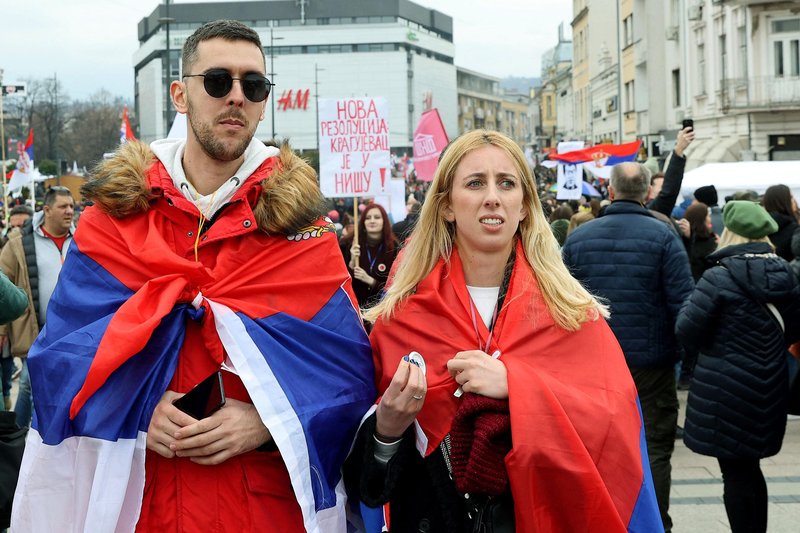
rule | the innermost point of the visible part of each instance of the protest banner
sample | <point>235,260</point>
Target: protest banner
<point>353,146</point>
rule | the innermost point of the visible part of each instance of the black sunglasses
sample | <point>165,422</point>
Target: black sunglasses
<point>218,83</point>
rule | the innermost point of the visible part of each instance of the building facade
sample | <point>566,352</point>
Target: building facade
<point>479,101</point>
<point>744,94</point>
<point>334,49</point>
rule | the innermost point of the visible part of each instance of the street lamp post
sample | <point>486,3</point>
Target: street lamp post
<point>272,40</point>
<point>166,20</point>
<point>316,100</point>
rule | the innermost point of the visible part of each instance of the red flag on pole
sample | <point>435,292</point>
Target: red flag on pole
<point>125,130</point>
<point>430,138</point>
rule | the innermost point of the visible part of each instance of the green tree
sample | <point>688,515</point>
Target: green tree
<point>48,167</point>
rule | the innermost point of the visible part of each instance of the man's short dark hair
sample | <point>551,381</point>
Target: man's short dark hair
<point>630,181</point>
<point>230,30</point>
<point>20,210</point>
<point>52,192</point>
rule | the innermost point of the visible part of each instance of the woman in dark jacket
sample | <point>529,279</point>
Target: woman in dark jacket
<point>782,206</point>
<point>737,403</point>
<point>702,241</point>
<point>376,250</point>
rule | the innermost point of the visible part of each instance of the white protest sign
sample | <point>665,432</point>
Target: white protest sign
<point>354,155</point>
<point>569,177</point>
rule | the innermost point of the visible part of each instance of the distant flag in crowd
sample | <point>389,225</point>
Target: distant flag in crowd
<point>24,173</point>
<point>430,138</point>
<point>125,130</point>
<point>600,158</point>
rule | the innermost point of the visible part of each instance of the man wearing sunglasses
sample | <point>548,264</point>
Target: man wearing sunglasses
<point>199,256</point>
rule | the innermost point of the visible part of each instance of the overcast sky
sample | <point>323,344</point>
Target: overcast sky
<point>89,44</point>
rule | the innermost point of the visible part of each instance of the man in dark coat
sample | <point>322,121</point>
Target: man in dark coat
<point>638,264</point>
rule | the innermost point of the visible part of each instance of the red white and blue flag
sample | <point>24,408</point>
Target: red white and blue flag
<point>125,130</point>
<point>25,172</point>
<point>110,346</point>
<point>600,158</point>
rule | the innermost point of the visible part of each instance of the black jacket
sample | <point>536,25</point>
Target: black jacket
<point>637,264</point>
<point>782,239</point>
<point>423,496</point>
<point>737,400</point>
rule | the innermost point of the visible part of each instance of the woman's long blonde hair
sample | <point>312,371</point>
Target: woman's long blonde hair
<point>569,303</point>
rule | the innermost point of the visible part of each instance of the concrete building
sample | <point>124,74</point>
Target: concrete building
<point>333,49</point>
<point>595,70</point>
<point>744,90</point>
<point>516,117</point>
<point>555,94</point>
<point>479,101</point>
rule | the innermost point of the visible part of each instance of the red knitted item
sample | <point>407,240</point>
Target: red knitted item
<point>480,439</point>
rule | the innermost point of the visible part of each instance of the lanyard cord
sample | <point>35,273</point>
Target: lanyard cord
<point>203,218</point>
<point>475,325</point>
<point>373,259</point>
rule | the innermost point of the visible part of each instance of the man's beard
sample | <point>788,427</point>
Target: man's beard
<point>211,144</point>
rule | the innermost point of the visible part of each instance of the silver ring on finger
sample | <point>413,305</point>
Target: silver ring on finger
<point>418,397</point>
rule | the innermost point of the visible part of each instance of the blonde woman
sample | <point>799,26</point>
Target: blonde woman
<point>740,318</point>
<point>507,341</point>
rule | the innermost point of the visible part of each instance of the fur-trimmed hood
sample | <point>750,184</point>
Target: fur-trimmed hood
<point>290,196</point>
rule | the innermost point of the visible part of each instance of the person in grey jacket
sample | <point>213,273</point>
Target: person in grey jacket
<point>741,317</point>
<point>13,300</point>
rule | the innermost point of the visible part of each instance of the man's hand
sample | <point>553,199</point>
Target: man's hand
<point>480,373</point>
<point>234,429</point>
<point>685,138</point>
<point>167,420</point>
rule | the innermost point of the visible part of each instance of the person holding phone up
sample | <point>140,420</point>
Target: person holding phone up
<point>200,256</point>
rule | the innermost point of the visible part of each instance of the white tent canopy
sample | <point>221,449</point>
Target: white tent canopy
<point>743,175</point>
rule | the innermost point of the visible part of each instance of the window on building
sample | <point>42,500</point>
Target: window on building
<point>742,67</point>
<point>701,70</point>
<point>628,30</point>
<point>723,58</point>
<point>785,39</point>
<point>676,87</point>
<point>630,97</point>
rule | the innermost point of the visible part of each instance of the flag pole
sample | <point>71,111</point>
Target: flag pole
<point>355,223</point>
<point>6,216</point>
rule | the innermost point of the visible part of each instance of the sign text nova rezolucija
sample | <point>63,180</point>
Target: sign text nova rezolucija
<point>354,146</point>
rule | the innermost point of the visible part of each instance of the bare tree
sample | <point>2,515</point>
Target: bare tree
<point>93,128</point>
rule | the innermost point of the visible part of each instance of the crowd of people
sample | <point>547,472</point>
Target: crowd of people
<point>344,361</point>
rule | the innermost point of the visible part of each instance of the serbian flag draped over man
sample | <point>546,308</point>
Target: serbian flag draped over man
<point>579,458</point>
<point>128,293</point>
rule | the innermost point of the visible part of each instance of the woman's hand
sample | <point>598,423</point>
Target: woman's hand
<point>480,373</point>
<point>355,253</point>
<point>361,275</point>
<point>401,402</point>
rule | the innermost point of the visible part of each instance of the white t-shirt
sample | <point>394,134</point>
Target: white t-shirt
<point>484,298</point>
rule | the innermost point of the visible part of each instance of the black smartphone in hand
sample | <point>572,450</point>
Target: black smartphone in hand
<point>688,123</point>
<point>204,399</point>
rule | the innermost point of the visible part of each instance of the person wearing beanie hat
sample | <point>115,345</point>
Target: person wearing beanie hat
<point>708,195</point>
<point>741,317</point>
<point>748,219</point>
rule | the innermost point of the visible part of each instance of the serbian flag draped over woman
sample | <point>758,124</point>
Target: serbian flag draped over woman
<point>563,423</point>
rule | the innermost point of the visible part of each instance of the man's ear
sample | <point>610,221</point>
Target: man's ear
<point>611,193</point>
<point>177,91</point>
